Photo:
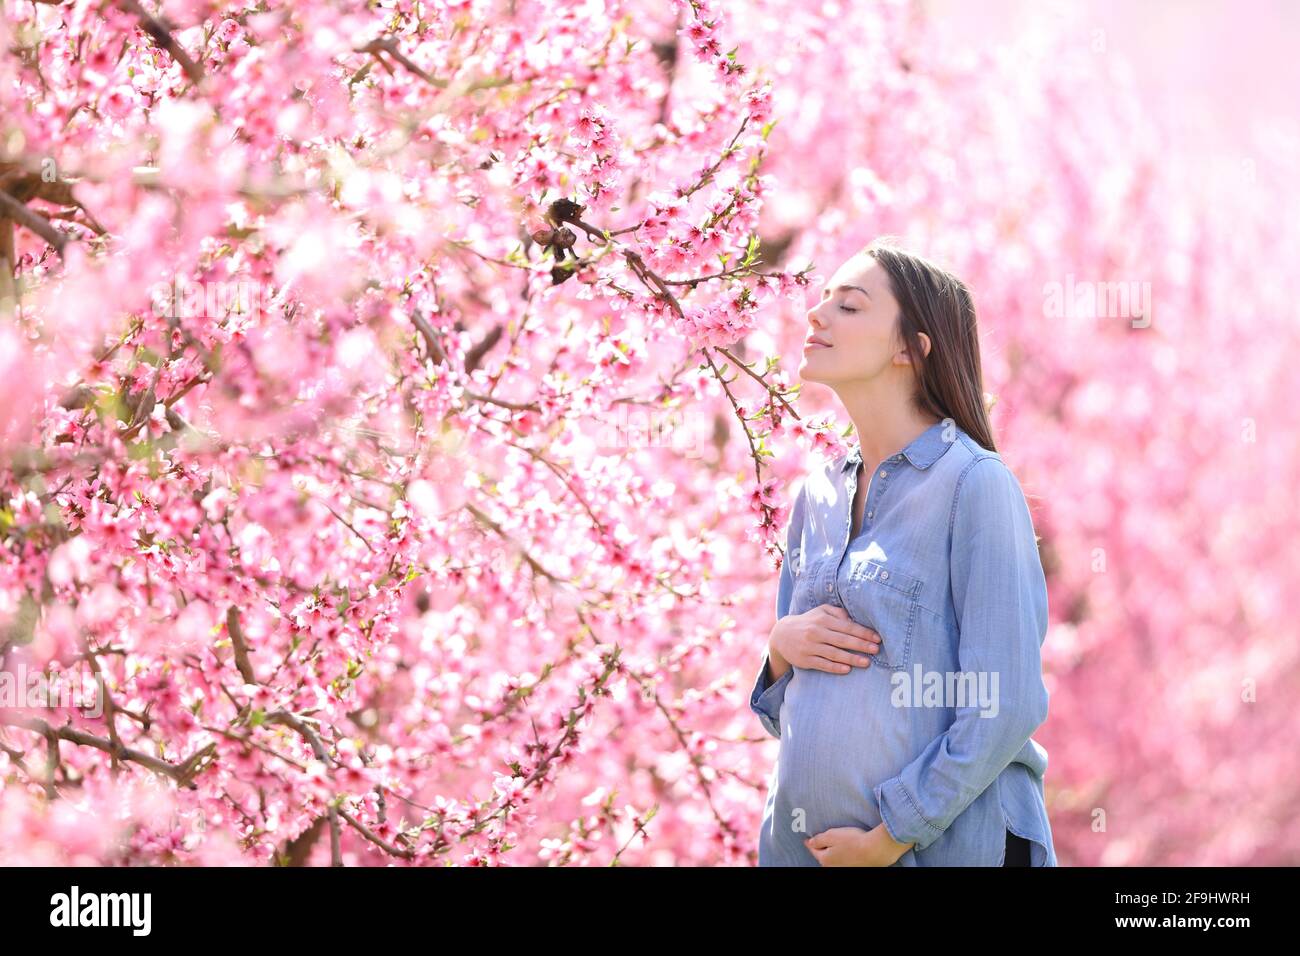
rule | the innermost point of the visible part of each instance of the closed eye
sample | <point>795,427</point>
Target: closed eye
<point>843,308</point>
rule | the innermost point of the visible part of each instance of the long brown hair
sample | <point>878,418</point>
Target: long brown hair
<point>950,380</point>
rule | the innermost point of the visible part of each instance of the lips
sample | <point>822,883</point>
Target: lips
<point>814,340</point>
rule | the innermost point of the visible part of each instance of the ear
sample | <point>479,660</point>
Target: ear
<point>902,358</point>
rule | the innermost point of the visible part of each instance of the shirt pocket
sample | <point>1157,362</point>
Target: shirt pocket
<point>886,600</point>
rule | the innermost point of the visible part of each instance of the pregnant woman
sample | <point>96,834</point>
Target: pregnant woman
<point>903,675</point>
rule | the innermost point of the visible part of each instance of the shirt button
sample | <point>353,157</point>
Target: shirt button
<point>882,474</point>
<point>870,513</point>
<point>884,575</point>
<point>829,588</point>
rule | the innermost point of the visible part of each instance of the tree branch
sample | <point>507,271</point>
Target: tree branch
<point>11,208</point>
<point>181,773</point>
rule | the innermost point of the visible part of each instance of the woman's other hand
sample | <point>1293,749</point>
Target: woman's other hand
<point>853,846</point>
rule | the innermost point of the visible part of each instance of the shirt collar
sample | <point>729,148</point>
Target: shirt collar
<point>922,451</point>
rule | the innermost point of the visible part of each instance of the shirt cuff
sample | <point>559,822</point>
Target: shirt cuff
<point>900,816</point>
<point>765,699</point>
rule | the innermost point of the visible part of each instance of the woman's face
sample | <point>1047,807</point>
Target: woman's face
<point>853,329</point>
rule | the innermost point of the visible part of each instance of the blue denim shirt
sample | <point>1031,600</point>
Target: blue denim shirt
<point>933,738</point>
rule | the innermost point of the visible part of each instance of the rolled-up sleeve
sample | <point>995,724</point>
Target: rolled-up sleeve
<point>1000,595</point>
<point>766,696</point>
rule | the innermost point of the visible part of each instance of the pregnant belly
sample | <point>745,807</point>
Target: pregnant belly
<point>840,736</point>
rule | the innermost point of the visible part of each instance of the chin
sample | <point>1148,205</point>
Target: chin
<point>807,371</point>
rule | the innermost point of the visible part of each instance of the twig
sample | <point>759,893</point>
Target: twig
<point>374,838</point>
<point>389,45</point>
<point>313,740</point>
<point>242,660</point>
<point>160,32</point>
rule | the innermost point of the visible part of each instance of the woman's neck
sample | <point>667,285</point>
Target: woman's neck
<point>885,430</point>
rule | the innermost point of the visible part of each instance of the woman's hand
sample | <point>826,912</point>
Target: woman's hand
<point>824,639</point>
<point>853,846</point>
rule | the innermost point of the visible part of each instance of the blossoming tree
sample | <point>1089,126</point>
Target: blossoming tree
<point>398,421</point>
